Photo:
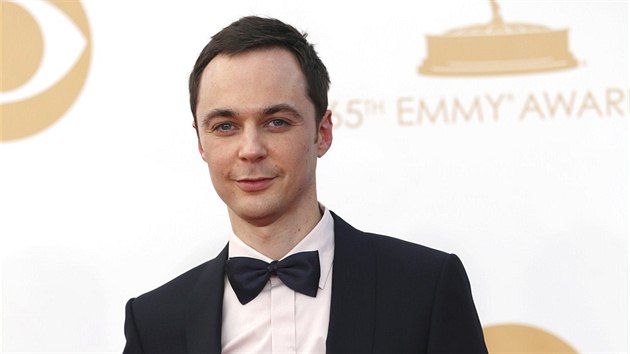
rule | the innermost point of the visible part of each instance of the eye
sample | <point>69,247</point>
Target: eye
<point>277,123</point>
<point>64,43</point>
<point>224,127</point>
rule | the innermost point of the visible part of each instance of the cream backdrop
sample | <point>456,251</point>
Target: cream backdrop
<point>524,176</point>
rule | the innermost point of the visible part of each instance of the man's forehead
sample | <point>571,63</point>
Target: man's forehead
<point>272,57</point>
<point>259,77</point>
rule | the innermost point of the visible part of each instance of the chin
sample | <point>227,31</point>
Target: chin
<point>256,213</point>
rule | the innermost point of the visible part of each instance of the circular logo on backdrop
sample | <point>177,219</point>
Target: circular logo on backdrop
<point>46,50</point>
<point>512,338</point>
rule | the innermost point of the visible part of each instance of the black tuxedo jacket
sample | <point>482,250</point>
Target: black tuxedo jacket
<point>388,296</point>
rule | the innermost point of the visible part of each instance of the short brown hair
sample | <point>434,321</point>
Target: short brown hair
<point>251,33</point>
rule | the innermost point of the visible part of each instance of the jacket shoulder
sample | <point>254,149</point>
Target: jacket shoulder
<point>172,291</point>
<point>389,250</point>
<point>420,264</point>
<point>171,300</point>
<point>388,245</point>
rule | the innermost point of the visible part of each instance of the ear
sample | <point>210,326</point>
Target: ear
<point>324,134</point>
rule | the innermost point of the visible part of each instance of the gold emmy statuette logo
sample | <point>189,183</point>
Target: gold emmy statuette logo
<point>521,339</point>
<point>34,93</point>
<point>497,48</point>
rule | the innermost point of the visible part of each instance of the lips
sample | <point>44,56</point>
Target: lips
<point>254,184</point>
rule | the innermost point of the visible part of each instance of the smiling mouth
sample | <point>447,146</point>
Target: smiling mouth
<point>254,184</point>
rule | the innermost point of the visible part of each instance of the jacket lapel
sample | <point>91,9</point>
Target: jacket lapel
<point>205,315</point>
<point>352,308</point>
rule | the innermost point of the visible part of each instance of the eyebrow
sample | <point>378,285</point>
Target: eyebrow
<point>271,110</point>
<point>281,108</point>
<point>219,112</point>
<point>216,113</point>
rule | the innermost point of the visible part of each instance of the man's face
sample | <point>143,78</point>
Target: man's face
<point>258,135</point>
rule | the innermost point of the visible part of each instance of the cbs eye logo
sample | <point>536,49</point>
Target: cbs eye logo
<point>46,50</point>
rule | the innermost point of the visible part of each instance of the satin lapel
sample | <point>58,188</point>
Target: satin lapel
<point>205,315</point>
<point>352,308</point>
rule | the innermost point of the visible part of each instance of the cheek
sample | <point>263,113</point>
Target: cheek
<point>217,164</point>
<point>304,159</point>
<point>215,155</point>
<point>219,174</point>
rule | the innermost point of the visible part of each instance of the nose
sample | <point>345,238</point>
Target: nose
<point>252,147</point>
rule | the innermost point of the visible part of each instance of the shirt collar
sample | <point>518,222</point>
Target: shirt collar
<point>321,239</point>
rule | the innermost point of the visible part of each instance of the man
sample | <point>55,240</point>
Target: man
<point>294,278</point>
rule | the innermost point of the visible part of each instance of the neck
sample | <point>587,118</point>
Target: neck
<point>276,238</point>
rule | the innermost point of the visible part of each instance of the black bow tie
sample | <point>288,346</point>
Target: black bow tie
<point>248,276</point>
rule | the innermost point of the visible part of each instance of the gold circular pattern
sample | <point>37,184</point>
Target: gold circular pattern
<point>22,46</point>
<point>513,338</point>
<point>34,114</point>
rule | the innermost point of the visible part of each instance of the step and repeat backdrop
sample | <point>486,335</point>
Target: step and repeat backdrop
<point>496,130</point>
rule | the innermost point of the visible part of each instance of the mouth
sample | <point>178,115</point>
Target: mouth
<point>254,184</point>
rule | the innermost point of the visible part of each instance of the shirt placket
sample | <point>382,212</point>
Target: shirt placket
<point>282,317</point>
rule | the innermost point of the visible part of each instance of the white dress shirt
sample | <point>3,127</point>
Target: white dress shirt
<point>280,320</point>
